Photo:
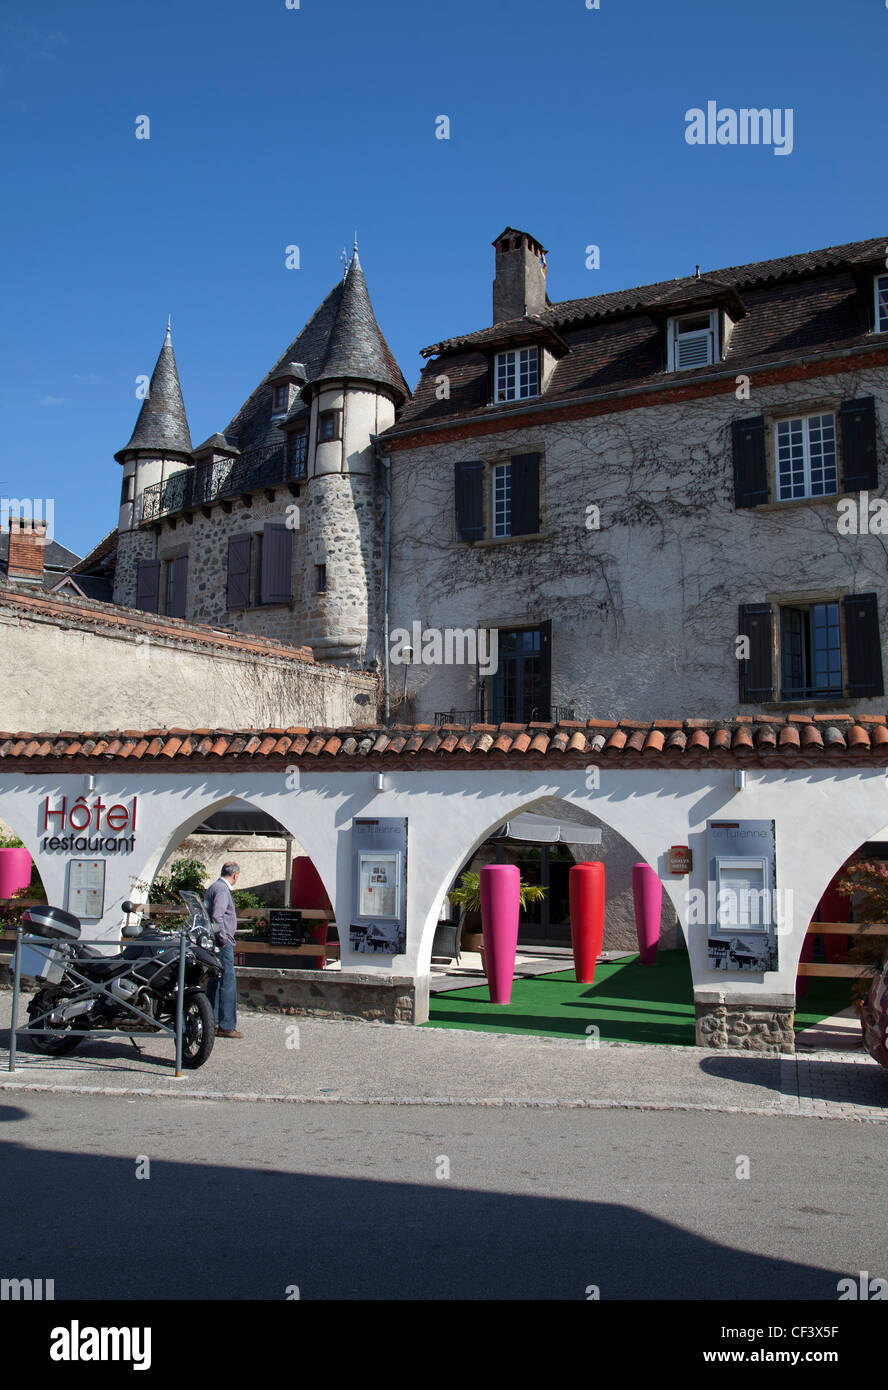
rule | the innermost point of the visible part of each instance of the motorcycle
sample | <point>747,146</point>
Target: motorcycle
<point>85,990</point>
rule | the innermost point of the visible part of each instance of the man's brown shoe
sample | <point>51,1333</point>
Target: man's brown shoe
<point>229,1033</point>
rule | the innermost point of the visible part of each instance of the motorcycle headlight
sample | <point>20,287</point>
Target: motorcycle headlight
<point>206,941</point>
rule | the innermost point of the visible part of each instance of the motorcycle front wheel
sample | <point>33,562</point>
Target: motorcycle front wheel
<point>198,1031</point>
<point>57,1044</point>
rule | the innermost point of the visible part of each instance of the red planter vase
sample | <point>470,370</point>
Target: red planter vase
<point>307,890</point>
<point>500,909</point>
<point>586,884</point>
<point>15,871</point>
<point>647,891</point>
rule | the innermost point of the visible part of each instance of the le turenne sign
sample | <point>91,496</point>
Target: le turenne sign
<point>88,825</point>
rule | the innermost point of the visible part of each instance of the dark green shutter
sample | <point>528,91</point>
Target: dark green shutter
<point>544,697</point>
<point>148,586</point>
<point>469,495</point>
<point>750,467</point>
<point>756,671</point>
<point>863,645</point>
<point>859,467</point>
<point>525,494</point>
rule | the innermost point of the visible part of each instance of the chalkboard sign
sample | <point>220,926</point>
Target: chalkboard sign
<point>286,927</point>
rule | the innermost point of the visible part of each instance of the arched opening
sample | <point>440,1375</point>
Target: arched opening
<point>627,1001</point>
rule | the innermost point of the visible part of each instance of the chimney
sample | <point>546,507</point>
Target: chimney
<point>27,540</point>
<point>520,284</point>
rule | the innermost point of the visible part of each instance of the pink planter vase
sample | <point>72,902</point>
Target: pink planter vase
<point>15,871</point>
<point>647,890</point>
<point>586,883</point>
<point>500,908</point>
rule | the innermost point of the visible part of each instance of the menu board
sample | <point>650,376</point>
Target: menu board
<point>286,928</point>
<point>86,887</point>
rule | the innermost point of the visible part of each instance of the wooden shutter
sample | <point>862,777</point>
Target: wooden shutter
<point>469,495</point>
<point>863,645</point>
<point>525,494</point>
<point>179,589</point>
<point>750,468</point>
<point>239,571</point>
<point>277,563</point>
<point>757,671</point>
<point>544,699</point>
<point>858,423</point>
<point>148,586</point>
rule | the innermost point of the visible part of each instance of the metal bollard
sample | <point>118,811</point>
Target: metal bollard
<point>180,1004</point>
<point>16,991</point>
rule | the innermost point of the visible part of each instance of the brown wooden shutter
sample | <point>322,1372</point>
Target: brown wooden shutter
<point>148,586</point>
<point>179,589</point>
<point>239,571</point>
<point>863,645</point>
<point>544,699</point>
<point>750,467</point>
<point>525,494</point>
<point>858,422</point>
<point>469,495</point>
<point>277,563</point>
<point>756,672</point>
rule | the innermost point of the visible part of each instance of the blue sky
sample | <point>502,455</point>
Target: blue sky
<point>273,126</point>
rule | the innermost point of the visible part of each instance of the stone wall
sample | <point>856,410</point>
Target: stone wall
<point>752,1022</point>
<point>334,994</point>
<point>86,665</point>
<point>644,609</point>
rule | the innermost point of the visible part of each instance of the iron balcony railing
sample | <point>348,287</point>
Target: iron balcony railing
<point>210,482</point>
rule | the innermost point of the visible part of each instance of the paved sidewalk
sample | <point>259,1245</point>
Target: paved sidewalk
<point>366,1063</point>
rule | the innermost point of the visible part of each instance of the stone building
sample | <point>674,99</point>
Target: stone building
<point>275,525</point>
<point>662,501</point>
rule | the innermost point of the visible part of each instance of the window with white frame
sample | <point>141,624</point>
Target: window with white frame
<point>516,374</point>
<point>692,340</point>
<point>502,500</point>
<point>881,290</point>
<point>805,450</point>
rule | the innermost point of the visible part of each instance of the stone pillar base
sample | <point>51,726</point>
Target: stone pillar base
<point>751,1022</point>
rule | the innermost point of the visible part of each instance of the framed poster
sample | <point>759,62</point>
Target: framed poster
<point>86,887</point>
<point>380,885</point>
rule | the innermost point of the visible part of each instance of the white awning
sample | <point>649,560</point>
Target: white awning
<point>545,830</point>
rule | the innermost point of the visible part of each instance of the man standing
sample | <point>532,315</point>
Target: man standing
<point>222,991</point>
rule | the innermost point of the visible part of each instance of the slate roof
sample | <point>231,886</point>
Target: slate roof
<point>56,558</point>
<point>797,740</point>
<point>162,422</point>
<point>794,305</point>
<point>342,338</point>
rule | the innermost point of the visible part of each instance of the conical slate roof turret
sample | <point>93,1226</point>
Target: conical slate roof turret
<point>356,347</point>
<point>162,425</point>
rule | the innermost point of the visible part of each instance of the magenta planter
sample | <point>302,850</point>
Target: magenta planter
<point>15,871</point>
<point>647,890</point>
<point>586,882</point>
<point>500,907</point>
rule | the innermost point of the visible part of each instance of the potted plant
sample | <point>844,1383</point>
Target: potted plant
<point>467,897</point>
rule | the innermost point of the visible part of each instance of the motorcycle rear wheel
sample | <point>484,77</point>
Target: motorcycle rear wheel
<point>198,1031</point>
<point>58,1045</point>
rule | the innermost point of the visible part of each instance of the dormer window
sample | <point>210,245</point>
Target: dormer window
<point>280,403</point>
<point>516,375</point>
<point>881,290</point>
<point>692,340</point>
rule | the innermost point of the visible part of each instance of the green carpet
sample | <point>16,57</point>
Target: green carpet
<point>825,997</point>
<point>628,1002</point>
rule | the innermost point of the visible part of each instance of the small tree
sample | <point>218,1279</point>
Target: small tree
<point>865,881</point>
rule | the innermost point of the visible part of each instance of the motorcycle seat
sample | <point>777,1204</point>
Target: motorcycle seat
<point>102,969</point>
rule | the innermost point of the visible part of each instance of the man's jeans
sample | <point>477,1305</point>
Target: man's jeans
<point>222,991</point>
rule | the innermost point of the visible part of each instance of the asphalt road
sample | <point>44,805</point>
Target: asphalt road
<point>246,1200</point>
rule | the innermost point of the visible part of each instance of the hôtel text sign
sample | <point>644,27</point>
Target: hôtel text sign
<point>88,825</point>
<point>680,859</point>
